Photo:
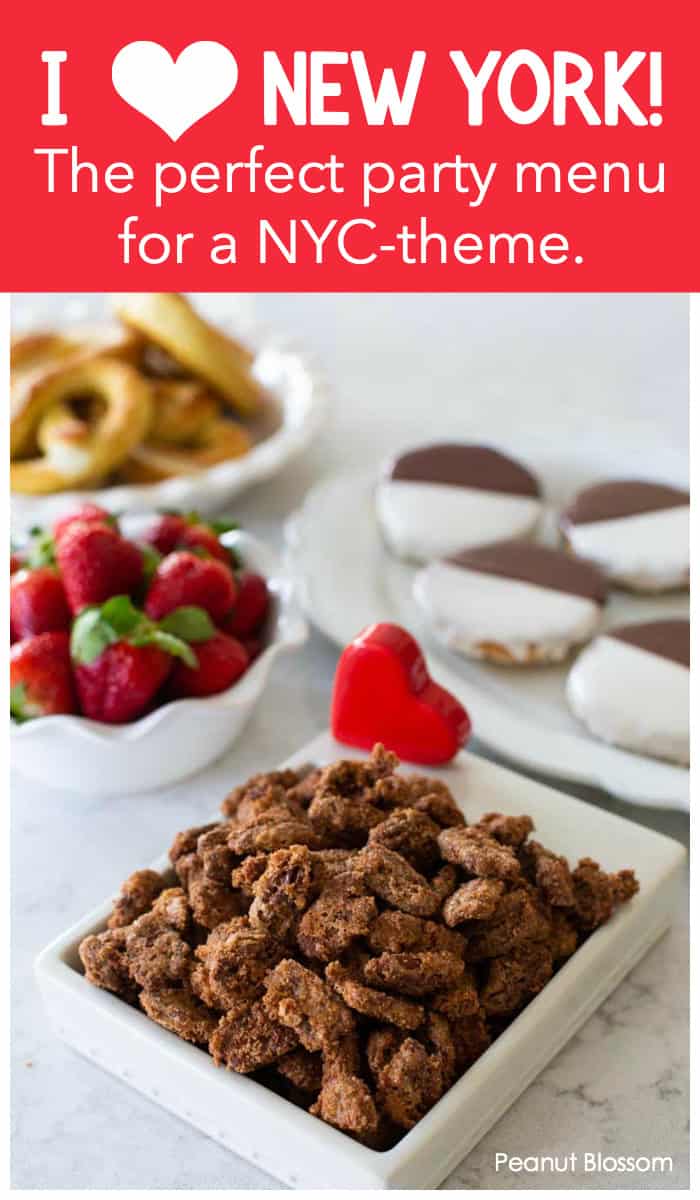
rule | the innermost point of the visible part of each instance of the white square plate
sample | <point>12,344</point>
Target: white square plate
<point>300,1150</point>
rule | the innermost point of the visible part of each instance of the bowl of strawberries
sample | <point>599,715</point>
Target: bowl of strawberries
<point>139,647</point>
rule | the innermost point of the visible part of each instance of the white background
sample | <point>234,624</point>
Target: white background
<point>601,370</point>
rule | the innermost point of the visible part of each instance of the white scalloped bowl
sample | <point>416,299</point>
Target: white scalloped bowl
<point>173,741</point>
<point>290,376</point>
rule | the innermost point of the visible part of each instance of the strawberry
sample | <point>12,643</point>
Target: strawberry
<point>175,531</point>
<point>220,662</point>
<point>251,607</point>
<point>165,534</point>
<point>96,562</point>
<point>185,579</point>
<point>201,537</point>
<point>16,562</point>
<point>253,647</point>
<point>120,684</point>
<point>37,603</point>
<point>121,659</point>
<point>91,513</point>
<point>41,681</point>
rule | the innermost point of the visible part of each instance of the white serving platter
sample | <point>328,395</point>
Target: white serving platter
<point>297,1148</point>
<point>347,579</point>
<point>290,376</point>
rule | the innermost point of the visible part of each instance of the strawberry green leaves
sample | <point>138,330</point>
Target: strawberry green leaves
<point>118,619</point>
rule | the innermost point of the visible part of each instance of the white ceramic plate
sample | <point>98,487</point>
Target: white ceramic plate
<point>293,381</point>
<point>348,580</point>
<point>175,740</point>
<point>299,1149</point>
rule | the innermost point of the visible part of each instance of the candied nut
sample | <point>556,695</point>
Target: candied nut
<point>411,834</point>
<point>282,892</point>
<point>445,881</point>
<point>410,1083</point>
<point>550,872</point>
<point>275,830</point>
<point>476,900</point>
<point>186,842</point>
<point>414,974</point>
<point>372,1003</point>
<point>156,953</point>
<point>597,894</point>
<point>299,999</point>
<point>342,913</point>
<point>137,895</point>
<point>438,1036</point>
<point>388,875</point>
<point>302,1069</point>
<point>177,1009</point>
<point>303,792</point>
<point>470,1037</point>
<point>625,885</point>
<point>519,917</point>
<point>234,962</point>
<point>342,820</point>
<point>510,831</point>
<point>397,931</point>
<point>346,1102</point>
<point>460,1000</point>
<point>332,862</point>
<point>103,956</point>
<point>441,808</point>
<point>516,977</point>
<point>212,900</point>
<point>247,1037</point>
<point>214,853</point>
<point>257,786</point>
<point>477,853</point>
<point>250,870</point>
<point>382,1045</point>
<point>563,939</point>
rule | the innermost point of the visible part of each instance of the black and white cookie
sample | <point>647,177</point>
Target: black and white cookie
<point>630,687</point>
<point>439,499</point>
<point>637,532</point>
<point>512,602</point>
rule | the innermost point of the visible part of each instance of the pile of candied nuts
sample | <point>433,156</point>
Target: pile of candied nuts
<point>347,939</point>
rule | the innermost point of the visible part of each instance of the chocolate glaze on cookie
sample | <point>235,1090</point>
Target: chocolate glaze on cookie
<point>668,639</point>
<point>621,498</point>
<point>455,464</point>
<point>437,499</point>
<point>541,565</point>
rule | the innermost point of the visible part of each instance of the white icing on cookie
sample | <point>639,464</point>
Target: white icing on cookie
<point>476,613</point>
<point>648,551</point>
<point>632,698</point>
<point>421,521</point>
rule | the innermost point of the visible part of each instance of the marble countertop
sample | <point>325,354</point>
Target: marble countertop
<point>561,366</point>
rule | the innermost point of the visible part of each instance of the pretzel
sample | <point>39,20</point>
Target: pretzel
<point>75,449</point>
<point>183,409</point>
<point>170,321</point>
<point>153,461</point>
<point>34,355</point>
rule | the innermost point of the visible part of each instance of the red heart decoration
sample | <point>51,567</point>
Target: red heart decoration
<point>383,693</point>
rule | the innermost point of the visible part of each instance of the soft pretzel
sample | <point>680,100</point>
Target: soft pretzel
<point>169,320</point>
<point>33,355</point>
<point>182,411</point>
<point>152,461</point>
<point>76,449</point>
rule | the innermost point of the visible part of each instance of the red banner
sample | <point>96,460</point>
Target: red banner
<point>518,148</point>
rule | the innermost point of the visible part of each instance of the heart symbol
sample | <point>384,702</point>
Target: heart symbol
<point>174,94</point>
<point>383,693</point>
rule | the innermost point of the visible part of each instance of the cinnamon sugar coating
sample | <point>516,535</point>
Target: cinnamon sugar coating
<point>347,935</point>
